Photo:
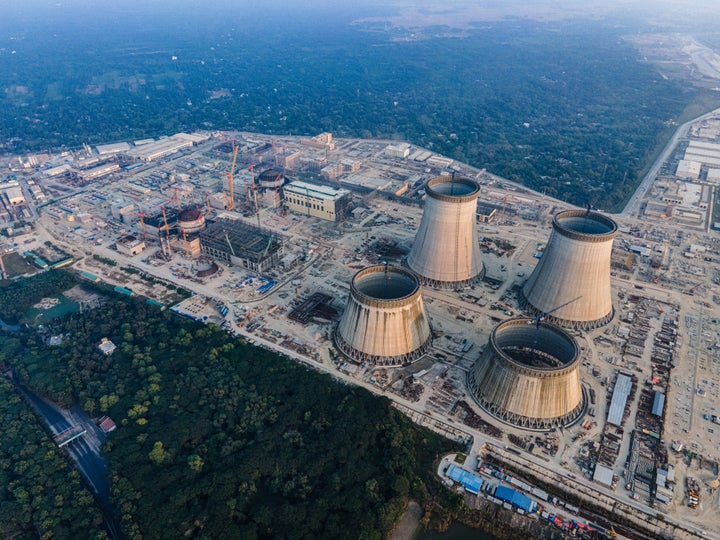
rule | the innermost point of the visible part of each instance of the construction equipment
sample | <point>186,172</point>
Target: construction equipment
<point>141,215</point>
<point>230,202</point>
<point>537,320</point>
<point>185,244</point>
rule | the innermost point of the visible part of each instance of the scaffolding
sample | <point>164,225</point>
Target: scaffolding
<point>241,244</point>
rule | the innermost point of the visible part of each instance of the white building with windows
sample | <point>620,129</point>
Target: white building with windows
<point>317,201</point>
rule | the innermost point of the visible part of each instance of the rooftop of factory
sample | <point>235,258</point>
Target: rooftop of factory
<point>318,192</point>
<point>623,386</point>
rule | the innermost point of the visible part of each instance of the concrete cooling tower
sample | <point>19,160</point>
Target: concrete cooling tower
<point>572,280</point>
<point>445,253</point>
<point>529,375</point>
<point>384,321</point>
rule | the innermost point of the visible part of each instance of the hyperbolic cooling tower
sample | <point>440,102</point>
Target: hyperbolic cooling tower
<point>529,375</point>
<point>572,280</point>
<point>384,321</point>
<point>445,253</point>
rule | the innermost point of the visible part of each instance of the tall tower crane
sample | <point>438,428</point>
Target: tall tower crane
<point>230,204</point>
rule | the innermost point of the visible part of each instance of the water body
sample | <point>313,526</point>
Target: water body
<point>457,531</point>
<point>10,327</point>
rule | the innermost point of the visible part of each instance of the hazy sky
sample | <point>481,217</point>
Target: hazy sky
<point>671,15</point>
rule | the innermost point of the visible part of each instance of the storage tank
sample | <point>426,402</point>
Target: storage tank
<point>445,253</point>
<point>571,282</point>
<point>384,322</point>
<point>529,375</point>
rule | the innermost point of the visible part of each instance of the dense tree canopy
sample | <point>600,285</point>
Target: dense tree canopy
<point>218,439</point>
<point>41,494</point>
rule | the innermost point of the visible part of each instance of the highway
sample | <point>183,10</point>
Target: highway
<point>633,205</point>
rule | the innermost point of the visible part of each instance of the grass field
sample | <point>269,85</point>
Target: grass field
<point>16,265</point>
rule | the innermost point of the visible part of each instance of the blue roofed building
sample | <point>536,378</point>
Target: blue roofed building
<point>469,481</point>
<point>504,493</point>
<point>515,498</point>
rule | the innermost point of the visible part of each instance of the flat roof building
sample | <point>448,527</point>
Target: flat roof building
<point>317,201</point>
<point>623,386</point>
<point>112,148</point>
<point>400,150</point>
<point>159,149</point>
<point>130,245</point>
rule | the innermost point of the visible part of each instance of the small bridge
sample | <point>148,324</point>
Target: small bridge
<point>70,434</point>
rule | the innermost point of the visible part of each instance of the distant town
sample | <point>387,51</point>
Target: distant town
<point>575,354</point>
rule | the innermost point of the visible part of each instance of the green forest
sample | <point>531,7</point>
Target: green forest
<point>41,494</point>
<point>567,107</point>
<point>219,439</point>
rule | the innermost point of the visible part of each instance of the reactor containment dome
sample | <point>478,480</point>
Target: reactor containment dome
<point>574,272</point>
<point>445,253</point>
<point>384,322</point>
<point>191,220</point>
<point>529,375</point>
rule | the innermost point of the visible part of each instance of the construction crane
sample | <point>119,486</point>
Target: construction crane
<point>177,199</point>
<point>141,215</point>
<point>537,320</point>
<point>164,215</point>
<point>227,239</point>
<point>185,244</point>
<point>230,204</point>
<point>257,206</point>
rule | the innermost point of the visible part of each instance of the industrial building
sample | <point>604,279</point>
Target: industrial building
<point>112,148</point>
<point>12,193</point>
<point>164,147</point>
<point>529,375</point>
<point>400,150</point>
<point>384,322</point>
<point>269,183</point>
<point>99,171</point>
<point>317,201</point>
<point>240,244</point>
<point>129,245</point>
<point>446,253</point>
<point>571,283</point>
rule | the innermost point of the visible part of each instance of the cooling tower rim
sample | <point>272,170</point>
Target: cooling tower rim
<point>386,303</point>
<point>585,237</point>
<point>452,198</point>
<point>567,367</point>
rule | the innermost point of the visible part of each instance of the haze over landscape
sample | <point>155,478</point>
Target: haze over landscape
<point>548,95</point>
<point>121,127</point>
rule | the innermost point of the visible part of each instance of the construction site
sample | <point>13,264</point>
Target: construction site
<point>576,341</point>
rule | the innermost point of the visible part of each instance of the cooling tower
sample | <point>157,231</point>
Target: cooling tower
<point>445,253</point>
<point>384,321</point>
<point>572,280</point>
<point>529,375</point>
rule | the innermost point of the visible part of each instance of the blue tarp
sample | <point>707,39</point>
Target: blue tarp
<point>470,482</point>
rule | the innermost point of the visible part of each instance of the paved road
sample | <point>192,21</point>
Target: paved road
<point>88,459</point>
<point>633,205</point>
